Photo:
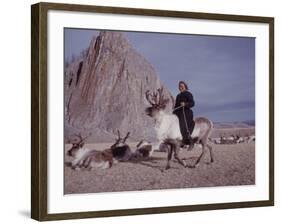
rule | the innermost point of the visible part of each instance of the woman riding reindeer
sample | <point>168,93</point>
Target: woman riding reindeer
<point>168,130</point>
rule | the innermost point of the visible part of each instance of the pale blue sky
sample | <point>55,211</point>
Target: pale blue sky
<point>219,70</point>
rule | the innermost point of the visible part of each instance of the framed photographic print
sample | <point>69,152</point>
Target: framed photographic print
<point>139,111</point>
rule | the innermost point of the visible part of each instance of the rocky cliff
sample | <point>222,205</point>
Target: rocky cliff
<point>105,90</point>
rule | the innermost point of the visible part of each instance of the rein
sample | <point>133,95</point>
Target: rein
<point>178,108</point>
<point>185,121</point>
<point>186,126</point>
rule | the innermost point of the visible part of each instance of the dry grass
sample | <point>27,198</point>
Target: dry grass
<point>234,165</point>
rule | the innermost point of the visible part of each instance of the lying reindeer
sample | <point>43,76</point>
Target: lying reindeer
<point>89,158</point>
<point>168,130</point>
<point>99,159</point>
<point>120,150</point>
<point>143,150</point>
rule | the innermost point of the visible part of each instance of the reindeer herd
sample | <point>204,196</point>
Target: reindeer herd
<point>169,139</point>
<point>233,139</point>
<point>118,152</point>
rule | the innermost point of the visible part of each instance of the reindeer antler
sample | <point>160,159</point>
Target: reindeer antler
<point>160,91</point>
<point>81,139</point>
<point>162,101</point>
<point>140,142</point>
<point>119,138</point>
<point>157,98</point>
<point>127,136</point>
<point>87,136</point>
<point>154,97</point>
<point>148,95</point>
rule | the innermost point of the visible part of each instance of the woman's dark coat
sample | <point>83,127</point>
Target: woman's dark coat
<point>187,98</point>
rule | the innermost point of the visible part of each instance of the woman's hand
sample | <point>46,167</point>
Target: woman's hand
<point>183,104</point>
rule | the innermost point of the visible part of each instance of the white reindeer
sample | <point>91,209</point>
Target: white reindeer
<point>251,138</point>
<point>168,130</point>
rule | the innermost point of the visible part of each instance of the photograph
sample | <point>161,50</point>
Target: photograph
<point>139,111</point>
<point>152,111</point>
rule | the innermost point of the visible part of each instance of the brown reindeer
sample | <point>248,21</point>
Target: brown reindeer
<point>120,150</point>
<point>89,158</point>
<point>143,150</point>
<point>99,159</point>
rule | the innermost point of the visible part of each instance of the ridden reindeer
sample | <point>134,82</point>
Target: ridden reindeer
<point>168,130</point>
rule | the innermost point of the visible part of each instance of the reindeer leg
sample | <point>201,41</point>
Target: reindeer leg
<point>170,151</point>
<point>156,146</point>
<point>192,143</point>
<point>191,146</point>
<point>211,152</point>
<point>176,156</point>
<point>202,154</point>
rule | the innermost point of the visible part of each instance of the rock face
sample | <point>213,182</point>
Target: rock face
<point>105,90</point>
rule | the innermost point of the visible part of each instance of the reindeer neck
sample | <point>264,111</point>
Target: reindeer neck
<point>159,116</point>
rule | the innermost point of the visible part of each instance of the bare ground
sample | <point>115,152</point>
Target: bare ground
<point>234,165</point>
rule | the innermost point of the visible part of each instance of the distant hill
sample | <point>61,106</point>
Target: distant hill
<point>238,124</point>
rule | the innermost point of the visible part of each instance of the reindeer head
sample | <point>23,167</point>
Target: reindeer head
<point>77,144</point>
<point>157,102</point>
<point>120,141</point>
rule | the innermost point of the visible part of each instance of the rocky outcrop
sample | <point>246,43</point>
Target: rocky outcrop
<point>105,90</point>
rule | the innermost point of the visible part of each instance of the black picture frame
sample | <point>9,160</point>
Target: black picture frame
<point>39,105</point>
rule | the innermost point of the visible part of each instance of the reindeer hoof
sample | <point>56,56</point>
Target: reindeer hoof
<point>167,167</point>
<point>208,163</point>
